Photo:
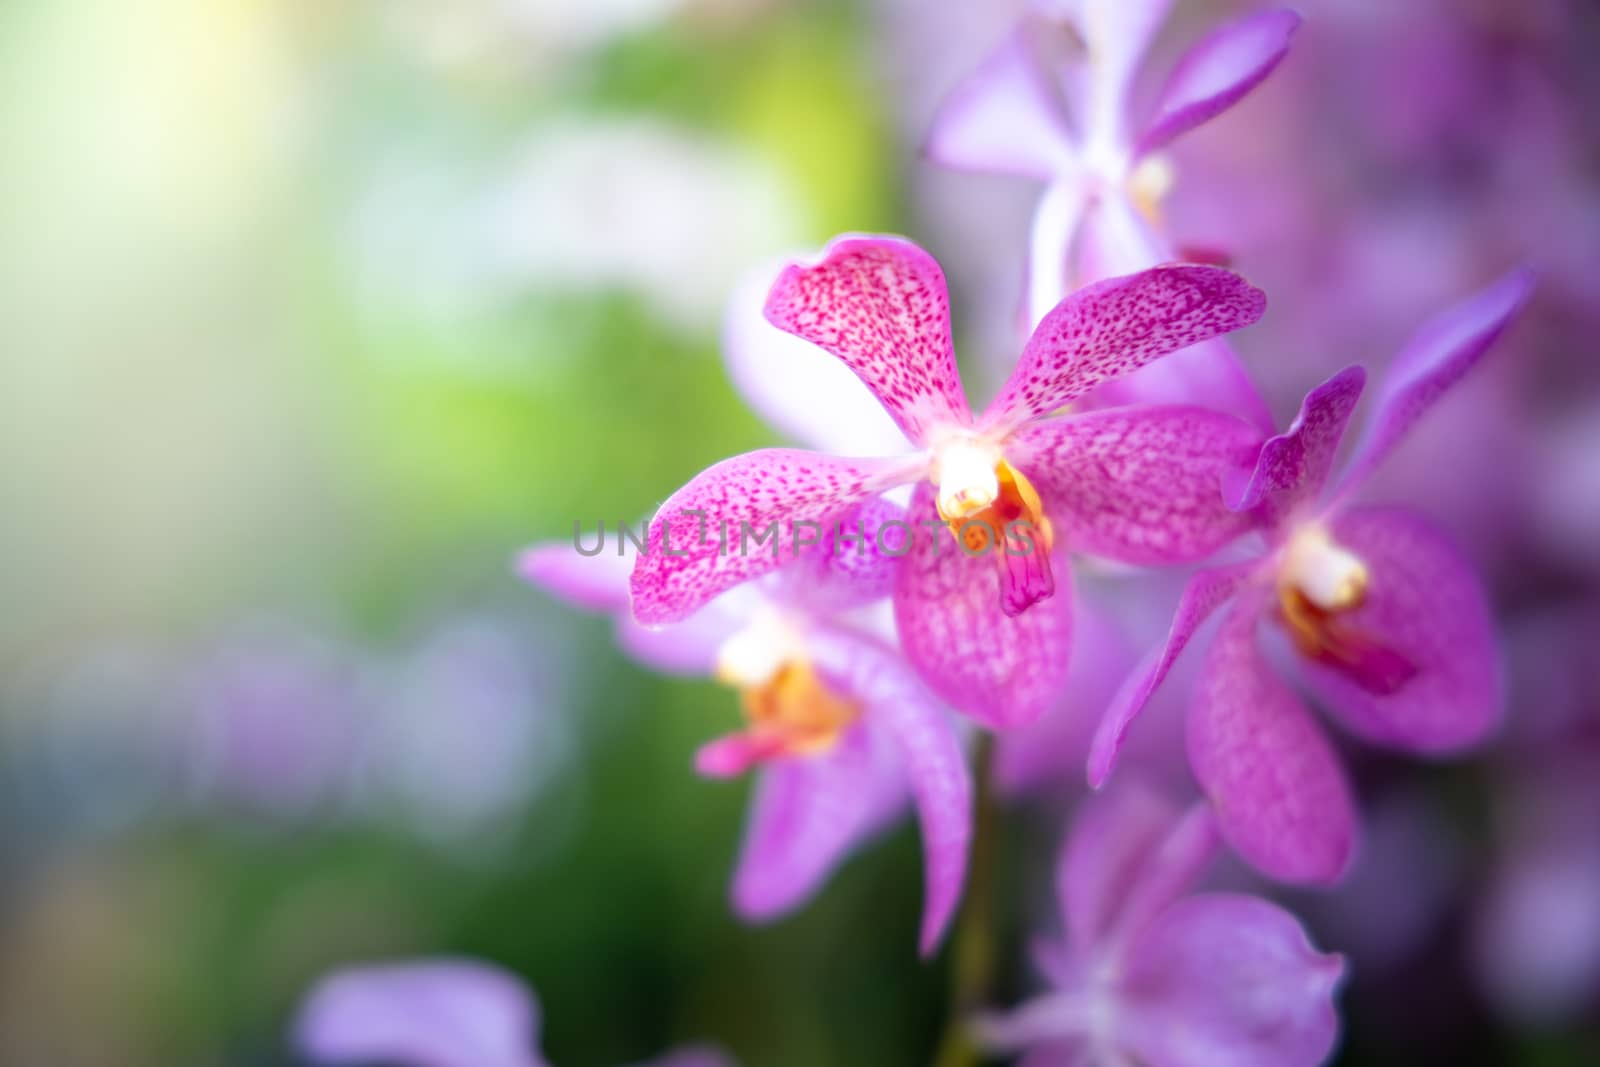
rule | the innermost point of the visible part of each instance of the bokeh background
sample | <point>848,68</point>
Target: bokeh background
<point>312,314</point>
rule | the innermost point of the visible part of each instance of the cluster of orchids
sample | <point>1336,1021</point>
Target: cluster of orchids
<point>889,622</point>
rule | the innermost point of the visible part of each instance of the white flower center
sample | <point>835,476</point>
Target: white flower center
<point>753,655</point>
<point>964,468</point>
<point>1327,575</point>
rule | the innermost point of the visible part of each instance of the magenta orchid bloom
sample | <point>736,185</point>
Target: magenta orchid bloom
<point>1391,627</point>
<point>435,1013</point>
<point>840,728</point>
<point>1149,974</point>
<point>981,614</point>
<point>1106,178</point>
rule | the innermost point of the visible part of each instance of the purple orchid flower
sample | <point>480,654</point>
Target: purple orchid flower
<point>1099,214</point>
<point>1392,629</point>
<point>1140,486</point>
<point>1149,974</point>
<point>435,1013</point>
<point>838,725</point>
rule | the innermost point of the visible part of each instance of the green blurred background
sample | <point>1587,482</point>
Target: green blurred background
<point>294,344</point>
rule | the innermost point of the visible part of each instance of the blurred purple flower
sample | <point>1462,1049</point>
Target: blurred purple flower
<point>278,722</point>
<point>840,728</point>
<point>1392,628</point>
<point>1099,215</point>
<point>1149,974</point>
<point>1137,486</point>
<point>435,1013</point>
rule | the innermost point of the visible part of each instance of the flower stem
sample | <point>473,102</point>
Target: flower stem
<point>973,949</point>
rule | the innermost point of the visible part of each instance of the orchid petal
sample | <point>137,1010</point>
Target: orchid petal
<point>430,1013</point>
<point>905,711</point>
<point>1228,978</point>
<point>1112,837</point>
<point>1004,118</point>
<point>1137,485</point>
<point>1205,592</point>
<point>854,561</point>
<point>597,582</point>
<point>1171,870</point>
<point>707,536</point>
<point>1425,603</point>
<point>1117,33</point>
<point>1058,219</point>
<point>1049,755</point>
<point>1293,466</point>
<point>1000,669</point>
<point>1114,239</point>
<point>880,304</point>
<point>807,815</point>
<point>1116,326</point>
<point>798,389</point>
<point>1280,795</point>
<point>1437,357</point>
<point>1218,72</point>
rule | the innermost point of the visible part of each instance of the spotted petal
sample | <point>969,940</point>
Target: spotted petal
<point>909,716</point>
<point>1218,72</point>
<point>880,304</point>
<point>1002,670</point>
<point>1425,603</point>
<point>1139,485</point>
<point>1293,466</point>
<point>1440,355</point>
<point>1205,592</point>
<point>428,1013</point>
<point>708,536</point>
<point>1227,978</point>
<point>1004,118</point>
<point>800,390</point>
<point>1116,326</point>
<point>1115,239</point>
<point>1279,793</point>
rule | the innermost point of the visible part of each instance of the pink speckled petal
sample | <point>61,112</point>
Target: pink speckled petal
<point>1116,326</point>
<point>1293,466</point>
<point>420,1013</point>
<point>1138,485</point>
<point>1004,118</point>
<point>1002,670</point>
<point>709,550</point>
<point>880,305</point>
<point>1224,978</point>
<point>807,815</point>
<point>912,720</point>
<point>1048,756</point>
<point>1280,795</point>
<point>593,583</point>
<point>1425,603</point>
<point>1440,354</point>
<point>800,390</point>
<point>1113,240</point>
<point>1217,73</point>
<point>853,563</point>
<point>1206,591</point>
